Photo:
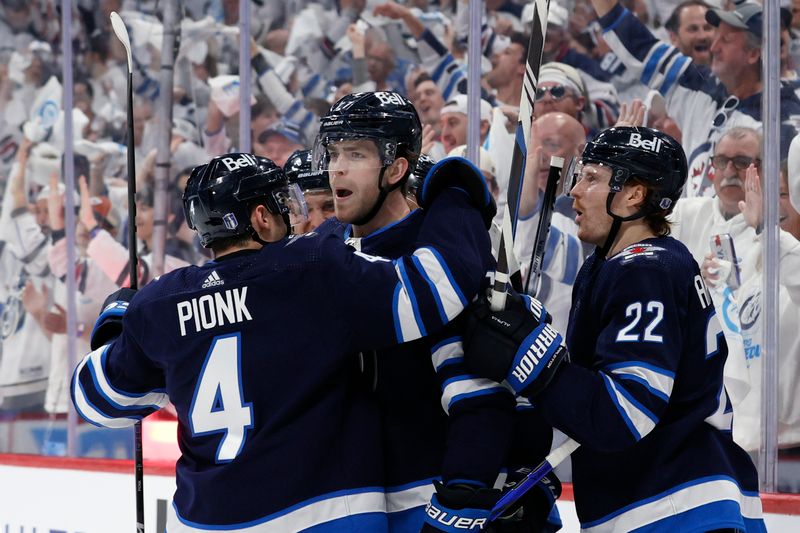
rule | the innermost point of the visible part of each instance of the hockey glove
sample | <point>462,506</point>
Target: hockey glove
<point>532,513</point>
<point>459,507</point>
<point>108,325</point>
<point>459,173</point>
<point>516,344</point>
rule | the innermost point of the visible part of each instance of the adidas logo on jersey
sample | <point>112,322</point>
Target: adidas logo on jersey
<point>653,145</point>
<point>213,280</point>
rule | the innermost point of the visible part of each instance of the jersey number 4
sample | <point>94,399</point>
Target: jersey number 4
<point>634,310</point>
<point>218,405</point>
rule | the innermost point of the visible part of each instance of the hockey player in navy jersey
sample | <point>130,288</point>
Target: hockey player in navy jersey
<point>255,351</point>
<point>315,186</point>
<point>438,421</point>
<point>642,388</point>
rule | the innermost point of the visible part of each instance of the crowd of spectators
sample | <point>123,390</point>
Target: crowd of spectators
<point>690,68</point>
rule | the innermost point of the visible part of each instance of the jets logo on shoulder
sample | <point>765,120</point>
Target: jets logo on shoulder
<point>295,238</point>
<point>653,145</point>
<point>639,250</point>
<point>213,280</point>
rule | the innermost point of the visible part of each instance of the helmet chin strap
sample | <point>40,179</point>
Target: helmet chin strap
<point>383,192</point>
<point>616,224</point>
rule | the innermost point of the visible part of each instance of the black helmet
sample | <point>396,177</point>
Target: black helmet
<point>298,169</point>
<point>649,155</point>
<point>424,164</point>
<point>387,118</point>
<point>646,155</point>
<point>219,196</point>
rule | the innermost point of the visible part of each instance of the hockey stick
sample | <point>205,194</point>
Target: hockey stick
<point>521,142</point>
<point>558,455</point>
<point>552,460</point>
<point>543,228</point>
<point>122,34</point>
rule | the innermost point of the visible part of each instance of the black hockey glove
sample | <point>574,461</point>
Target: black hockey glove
<point>459,173</point>
<point>459,507</point>
<point>108,325</point>
<point>531,513</point>
<point>517,344</point>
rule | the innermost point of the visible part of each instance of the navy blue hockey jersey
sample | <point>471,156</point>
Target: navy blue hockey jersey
<point>255,352</point>
<point>644,397</point>
<point>437,420</point>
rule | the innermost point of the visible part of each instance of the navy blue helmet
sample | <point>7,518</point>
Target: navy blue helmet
<point>220,195</point>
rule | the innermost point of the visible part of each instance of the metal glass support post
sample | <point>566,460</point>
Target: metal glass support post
<point>245,83</point>
<point>768,453</point>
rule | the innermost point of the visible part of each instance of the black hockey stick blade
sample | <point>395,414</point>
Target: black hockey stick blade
<point>543,229</point>
<point>521,143</point>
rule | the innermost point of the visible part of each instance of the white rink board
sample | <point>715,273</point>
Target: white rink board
<point>75,501</point>
<point>78,501</point>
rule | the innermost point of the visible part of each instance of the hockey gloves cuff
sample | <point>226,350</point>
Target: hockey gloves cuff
<point>109,324</point>
<point>517,344</point>
<point>457,508</point>
<point>459,173</point>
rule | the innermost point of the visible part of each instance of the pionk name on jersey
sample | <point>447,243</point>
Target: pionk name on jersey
<point>213,310</point>
<point>535,353</point>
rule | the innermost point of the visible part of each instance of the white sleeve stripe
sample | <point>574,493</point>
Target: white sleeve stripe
<point>627,58</point>
<point>461,387</point>
<point>89,412</point>
<point>446,353</point>
<point>404,313</point>
<point>117,398</point>
<point>658,383</point>
<point>637,421</point>
<point>443,286</point>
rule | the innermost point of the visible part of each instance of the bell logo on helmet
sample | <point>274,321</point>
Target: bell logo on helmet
<point>653,145</point>
<point>244,160</point>
<point>390,98</point>
<point>230,221</point>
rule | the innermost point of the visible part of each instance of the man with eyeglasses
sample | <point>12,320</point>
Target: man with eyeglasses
<point>564,89</point>
<point>696,220</point>
<point>704,101</point>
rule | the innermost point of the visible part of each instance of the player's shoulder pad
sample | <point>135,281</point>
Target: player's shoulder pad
<point>457,172</point>
<point>639,252</point>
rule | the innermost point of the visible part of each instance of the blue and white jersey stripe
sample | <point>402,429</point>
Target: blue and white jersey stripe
<point>639,419</point>
<point>426,265</point>
<point>462,387</point>
<point>448,296</point>
<point>111,407</point>
<point>447,352</point>
<point>685,507</point>
<point>351,510</point>
<point>407,308</point>
<point>409,496</point>
<point>657,381</point>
